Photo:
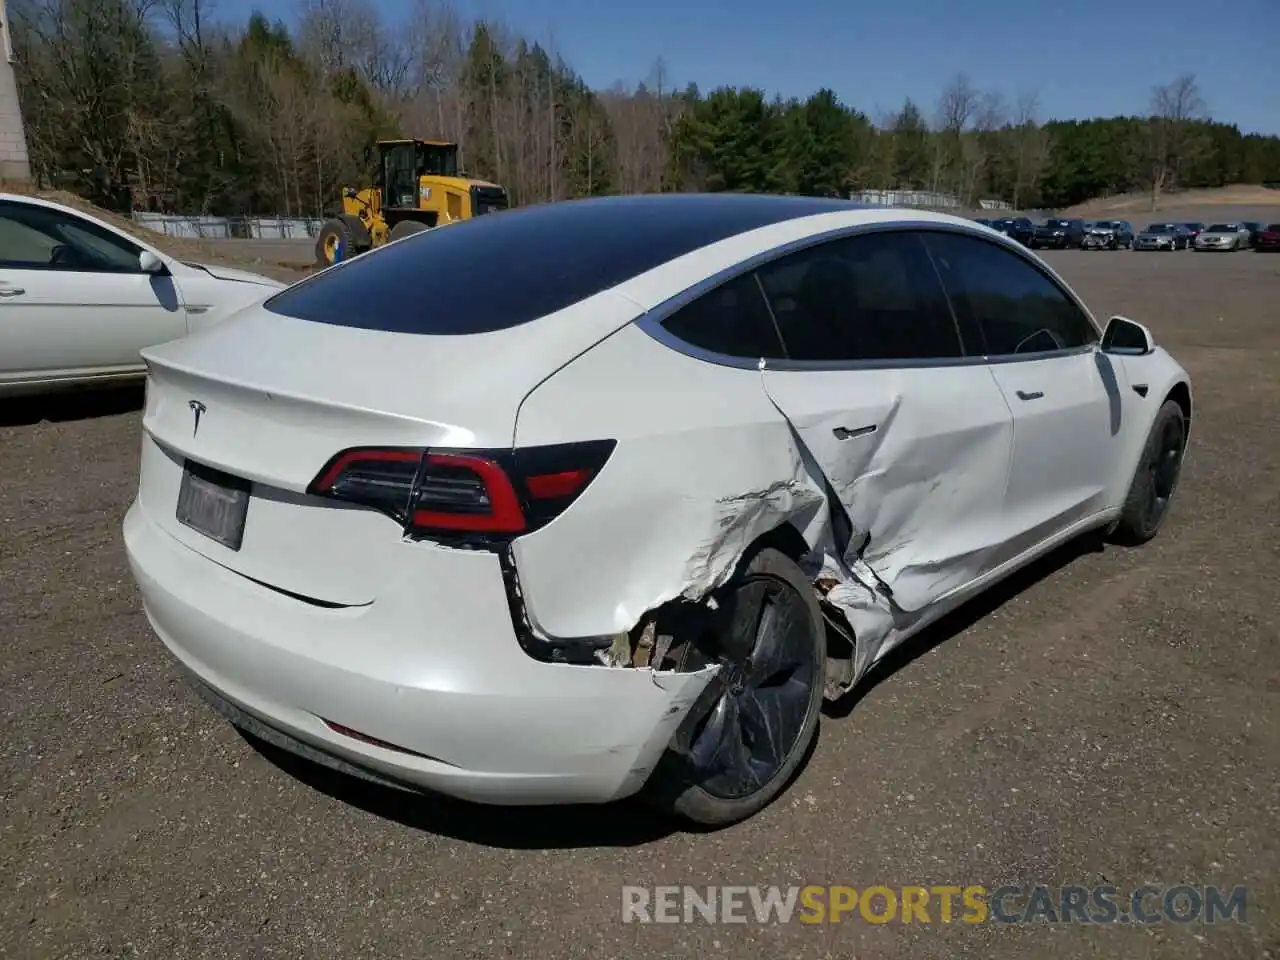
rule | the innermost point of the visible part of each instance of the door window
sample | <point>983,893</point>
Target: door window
<point>732,320</point>
<point>1004,301</point>
<point>870,297</point>
<point>40,238</point>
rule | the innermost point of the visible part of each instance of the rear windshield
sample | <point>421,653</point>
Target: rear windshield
<point>1273,228</point>
<point>504,269</point>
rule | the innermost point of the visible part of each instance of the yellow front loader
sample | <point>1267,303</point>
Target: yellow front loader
<point>417,186</point>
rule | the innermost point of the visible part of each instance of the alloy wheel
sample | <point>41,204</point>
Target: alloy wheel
<point>1163,466</point>
<point>756,706</point>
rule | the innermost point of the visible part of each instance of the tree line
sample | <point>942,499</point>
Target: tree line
<point>158,105</point>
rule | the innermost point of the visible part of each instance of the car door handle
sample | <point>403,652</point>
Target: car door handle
<point>1034,395</point>
<point>844,433</point>
<point>11,291</point>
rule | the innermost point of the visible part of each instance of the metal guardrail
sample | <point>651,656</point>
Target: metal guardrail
<point>227,228</point>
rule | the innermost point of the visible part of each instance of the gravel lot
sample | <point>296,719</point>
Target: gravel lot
<point>1111,717</point>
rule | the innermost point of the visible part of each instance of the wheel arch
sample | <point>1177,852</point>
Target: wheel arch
<point>1180,393</point>
<point>841,668</point>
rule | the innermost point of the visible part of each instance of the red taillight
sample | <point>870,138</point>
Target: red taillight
<point>469,492</point>
<point>465,492</point>
<point>546,486</point>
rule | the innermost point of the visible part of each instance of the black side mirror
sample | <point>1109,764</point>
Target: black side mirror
<point>1126,337</point>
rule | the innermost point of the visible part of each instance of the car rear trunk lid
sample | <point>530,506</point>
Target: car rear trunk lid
<point>271,399</point>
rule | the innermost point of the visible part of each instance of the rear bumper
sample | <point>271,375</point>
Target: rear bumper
<point>433,667</point>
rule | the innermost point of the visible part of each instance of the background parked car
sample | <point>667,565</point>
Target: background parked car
<point>1107,235</point>
<point>1194,228</point>
<point>1254,227</point>
<point>1269,238</point>
<point>1223,236</point>
<point>1163,236</point>
<point>1059,233</point>
<point>79,298</point>
<point>1019,228</point>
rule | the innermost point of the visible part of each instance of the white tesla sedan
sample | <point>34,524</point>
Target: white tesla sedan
<point>79,298</point>
<point>601,497</point>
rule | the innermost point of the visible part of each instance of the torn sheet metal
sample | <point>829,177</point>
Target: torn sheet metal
<point>740,519</point>
<point>711,458</point>
<point>682,690</point>
<point>868,612</point>
<point>917,460</point>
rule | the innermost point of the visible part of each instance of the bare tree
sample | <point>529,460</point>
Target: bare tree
<point>1030,149</point>
<point>1174,107</point>
<point>958,104</point>
<point>642,120</point>
<point>93,85</point>
<point>979,146</point>
<point>435,107</point>
<point>956,107</point>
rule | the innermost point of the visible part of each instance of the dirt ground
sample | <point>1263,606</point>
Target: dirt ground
<point>1113,716</point>
<point>1238,202</point>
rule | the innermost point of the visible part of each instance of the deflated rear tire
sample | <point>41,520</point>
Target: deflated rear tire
<point>750,730</point>
<point>1156,478</point>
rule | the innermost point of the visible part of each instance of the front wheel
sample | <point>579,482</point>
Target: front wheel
<point>750,730</point>
<point>333,242</point>
<point>1156,478</point>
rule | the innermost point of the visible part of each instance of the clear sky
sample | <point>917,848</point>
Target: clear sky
<point>1083,57</point>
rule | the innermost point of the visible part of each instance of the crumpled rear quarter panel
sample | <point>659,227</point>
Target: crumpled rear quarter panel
<point>704,465</point>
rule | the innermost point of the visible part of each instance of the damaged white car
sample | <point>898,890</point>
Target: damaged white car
<point>603,497</point>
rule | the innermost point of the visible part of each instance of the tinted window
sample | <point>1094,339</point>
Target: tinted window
<point>1016,306</point>
<point>732,319</point>
<point>874,297</point>
<point>505,269</point>
<point>40,238</point>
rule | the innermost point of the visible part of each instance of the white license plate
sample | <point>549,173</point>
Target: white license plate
<point>213,503</point>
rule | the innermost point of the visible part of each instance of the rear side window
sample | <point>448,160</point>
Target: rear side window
<point>1016,307</point>
<point>871,297</point>
<point>504,269</point>
<point>732,320</point>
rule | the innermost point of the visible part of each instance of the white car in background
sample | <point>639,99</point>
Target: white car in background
<point>605,496</point>
<point>79,298</point>
<point>1223,236</point>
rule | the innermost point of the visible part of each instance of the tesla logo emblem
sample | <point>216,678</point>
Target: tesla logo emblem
<point>198,409</point>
